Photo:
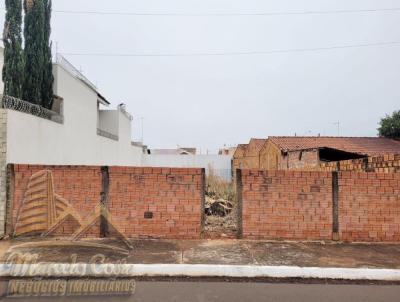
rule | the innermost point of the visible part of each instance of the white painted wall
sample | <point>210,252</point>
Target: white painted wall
<point>33,140</point>
<point>108,121</point>
<point>1,69</point>
<point>221,164</point>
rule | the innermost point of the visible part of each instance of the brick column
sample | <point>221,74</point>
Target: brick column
<point>3,169</point>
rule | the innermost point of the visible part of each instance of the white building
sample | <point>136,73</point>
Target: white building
<point>82,134</point>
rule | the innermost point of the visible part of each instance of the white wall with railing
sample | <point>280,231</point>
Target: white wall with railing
<point>76,140</point>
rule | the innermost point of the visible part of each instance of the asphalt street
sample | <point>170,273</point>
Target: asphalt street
<point>245,292</point>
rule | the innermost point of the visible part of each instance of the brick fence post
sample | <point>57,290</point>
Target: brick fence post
<point>335,206</point>
<point>203,201</point>
<point>9,230</point>
<point>239,198</point>
<point>105,184</point>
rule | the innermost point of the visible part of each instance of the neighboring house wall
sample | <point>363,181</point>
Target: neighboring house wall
<point>34,140</point>
<point>270,156</point>
<point>221,164</point>
<point>301,160</point>
<point>252,154</point>
<point>237,159</point>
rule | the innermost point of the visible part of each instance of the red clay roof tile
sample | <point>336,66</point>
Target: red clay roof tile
<point>362,145</point>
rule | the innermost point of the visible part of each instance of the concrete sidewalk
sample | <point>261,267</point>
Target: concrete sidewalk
<point>230,252</point>
<point>235,258</point>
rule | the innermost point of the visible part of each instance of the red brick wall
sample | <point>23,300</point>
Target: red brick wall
<point>389,163</point>
<point>301,160</point>
<point>286,205</point>
<point>174,196</point>
<point>298,205</point>
<point>79,185</point>
<point>369,206</point>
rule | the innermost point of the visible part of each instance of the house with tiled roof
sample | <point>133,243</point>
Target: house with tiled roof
<point>297,152</point>
<point>251,156</point>
<point>237,159</point>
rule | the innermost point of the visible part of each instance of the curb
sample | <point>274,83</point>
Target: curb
<point>195,270</point>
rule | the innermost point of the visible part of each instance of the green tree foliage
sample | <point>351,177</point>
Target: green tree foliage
<point>48,78</point>
<point>390,126</point>
<point>34,33</point>
<point>13,68</point>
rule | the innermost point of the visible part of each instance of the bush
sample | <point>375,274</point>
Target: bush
<point>217,188</point>
<point>390,126</point>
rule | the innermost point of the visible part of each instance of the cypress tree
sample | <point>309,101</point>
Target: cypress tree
<point>33,52</point>
<point>13,68</point>
<point>48,78</point>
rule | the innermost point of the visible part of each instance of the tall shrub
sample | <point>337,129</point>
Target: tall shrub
<point>13,68</point>
<point>34,33</point>
<point>48,78</point>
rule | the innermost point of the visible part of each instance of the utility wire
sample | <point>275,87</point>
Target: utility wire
<point>218,14</point>
<point>231,53</point>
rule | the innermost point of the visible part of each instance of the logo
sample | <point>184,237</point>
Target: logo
<point>43,215</point>
<point>43,212</point>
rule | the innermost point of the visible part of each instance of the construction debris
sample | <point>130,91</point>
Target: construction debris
<point>219,207</point>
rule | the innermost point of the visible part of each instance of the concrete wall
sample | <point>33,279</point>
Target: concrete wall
<point>221,164</point>
<point>3,169</point>
<point>34,140</point>
<point>108,121</point>
<point>1,69</point>
<point>125,128</point>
